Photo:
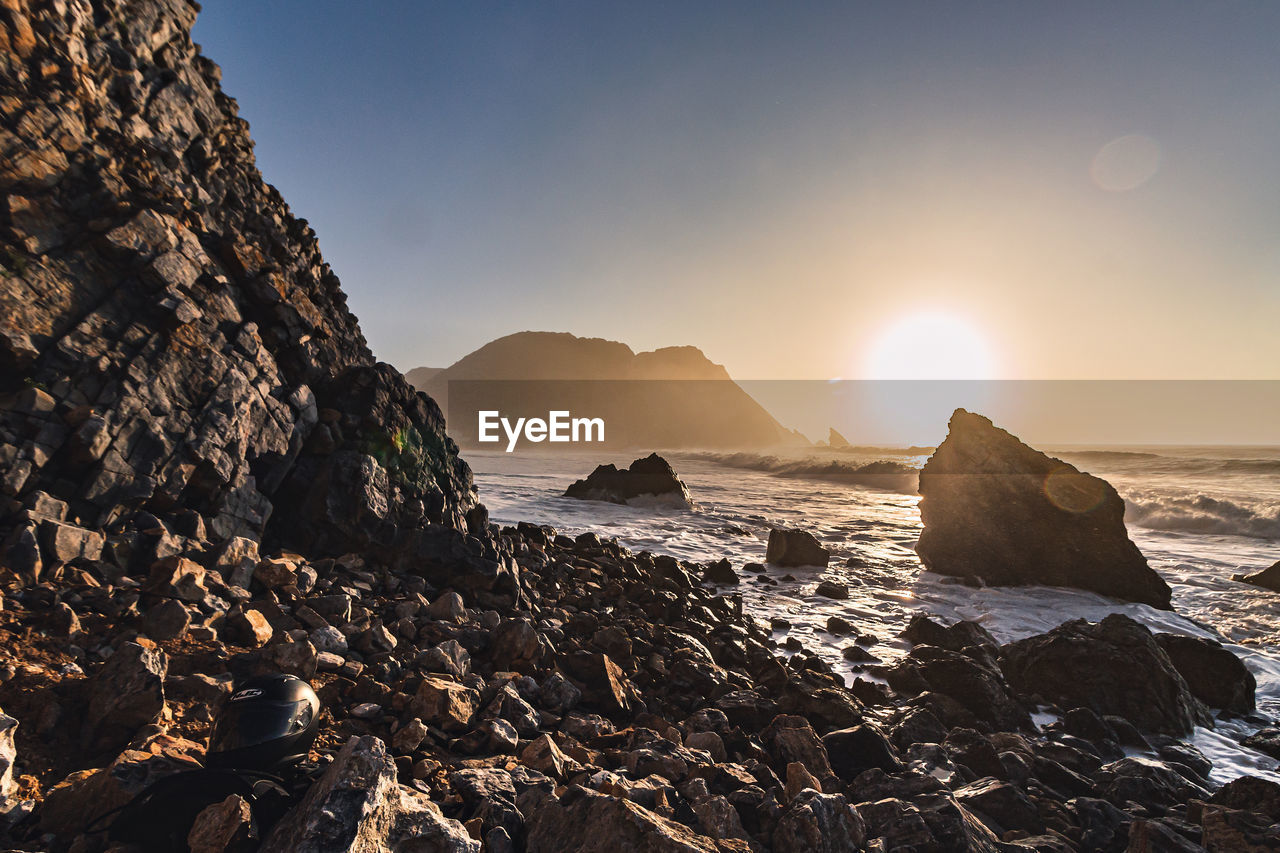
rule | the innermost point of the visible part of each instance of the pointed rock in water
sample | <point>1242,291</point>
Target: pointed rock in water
<point>997,510</point>
<point>1268,578</point>
<point>835,440</point>
<point>650,480</point>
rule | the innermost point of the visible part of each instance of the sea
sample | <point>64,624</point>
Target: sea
<point>1199,514</point>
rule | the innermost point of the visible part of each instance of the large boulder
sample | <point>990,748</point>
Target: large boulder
<point>998,511</point>
<point>1111,667</point>
<point>650,480</point>
<point>1215,676</point>
<point>788,547</point>
<point>358,806</point>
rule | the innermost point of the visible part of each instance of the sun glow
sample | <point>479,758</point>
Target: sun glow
<point>931,345</point>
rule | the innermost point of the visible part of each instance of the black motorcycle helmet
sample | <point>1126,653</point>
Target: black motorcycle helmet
<point>268,724</point>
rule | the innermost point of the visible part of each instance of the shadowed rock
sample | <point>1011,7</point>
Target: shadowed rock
<point>795,548</point>
<point>1215,676</point>
<point>1001,512</point>
<point>1112,667</point>
<point>1268,578</point>
<point>648,480</point>
<point>358,805</point>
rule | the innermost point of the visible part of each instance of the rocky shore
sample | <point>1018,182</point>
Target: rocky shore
<point>204,475</point>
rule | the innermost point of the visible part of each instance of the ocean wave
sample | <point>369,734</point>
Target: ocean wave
<point>1109,455</point>
<point>1143,461</point>
<point>1205,515</point>
<point>880,474</point>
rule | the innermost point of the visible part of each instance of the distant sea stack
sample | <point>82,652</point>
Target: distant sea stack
<point>674,397</point>
<point>1004,513</point>
<point>650,480</point>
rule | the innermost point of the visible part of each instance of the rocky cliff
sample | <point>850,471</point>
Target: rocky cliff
<point>171,338</point>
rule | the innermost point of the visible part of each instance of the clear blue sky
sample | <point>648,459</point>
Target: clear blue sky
<point>1086,189</point>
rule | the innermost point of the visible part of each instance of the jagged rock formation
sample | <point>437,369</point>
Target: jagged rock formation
<point>170,336</point>
<point>673,397</point>
<point>836,441</point>
<point>1001,512</point>
<point>650,479</point>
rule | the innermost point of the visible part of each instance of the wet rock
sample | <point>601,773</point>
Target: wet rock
<point>1251,793</point>
<point>853,750</point>
<point>651,479</point>
<point>790,738</point>
<point>1153,836</point>
<point>996,510</point>
<point>1112,667</point>
<point>922,630</point>
<point>831,589</point>
<point>445,704</point>
<point>819,823</point>
<point>126,694</point>
<point>358,805</point>
<point>978,688</point>
<point>899,824</point>
<point>1237,830</point>
<point>789,547</point>
<point>720,572</point>
<point>1268,578</point>
<point>1146,781</point>
<point>1001,806</point>
<point>1214,675</point>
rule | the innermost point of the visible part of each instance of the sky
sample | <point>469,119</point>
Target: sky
<point>802,190</point>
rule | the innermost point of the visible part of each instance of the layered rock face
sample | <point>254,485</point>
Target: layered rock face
<point>170,336</point>
<point>1001,512</point>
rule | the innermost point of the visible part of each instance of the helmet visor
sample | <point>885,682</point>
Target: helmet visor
<point>255,723</point>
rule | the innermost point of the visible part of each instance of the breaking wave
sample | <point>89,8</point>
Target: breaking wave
<point>881,474</point>
<point>1204,515</point>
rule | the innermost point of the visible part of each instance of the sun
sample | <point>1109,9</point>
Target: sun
<point>930,345</point>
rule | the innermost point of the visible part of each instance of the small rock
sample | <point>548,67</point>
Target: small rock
<point>831,589</point>
<point>789,547</point>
